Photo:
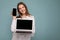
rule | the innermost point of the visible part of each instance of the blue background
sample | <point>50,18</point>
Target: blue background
<point>47,17</point>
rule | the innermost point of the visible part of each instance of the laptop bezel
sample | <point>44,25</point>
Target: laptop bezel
<point>24,30</point>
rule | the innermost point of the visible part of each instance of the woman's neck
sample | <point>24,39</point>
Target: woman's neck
<point>23,16</point>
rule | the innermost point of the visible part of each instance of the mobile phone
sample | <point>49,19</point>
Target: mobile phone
<point>14,12</point>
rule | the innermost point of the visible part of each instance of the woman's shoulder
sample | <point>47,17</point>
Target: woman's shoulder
<point>31,16</point>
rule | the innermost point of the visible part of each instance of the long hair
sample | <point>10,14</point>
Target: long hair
<point>20,14</point>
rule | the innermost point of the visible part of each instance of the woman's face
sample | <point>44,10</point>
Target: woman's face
<point>22,9</point>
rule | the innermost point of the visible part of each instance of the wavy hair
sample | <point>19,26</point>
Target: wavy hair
<point>20,14</point>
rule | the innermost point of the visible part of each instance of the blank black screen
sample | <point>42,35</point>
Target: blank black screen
<point>24,24</point>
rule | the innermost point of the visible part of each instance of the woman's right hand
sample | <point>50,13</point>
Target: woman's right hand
<point>14,17</point>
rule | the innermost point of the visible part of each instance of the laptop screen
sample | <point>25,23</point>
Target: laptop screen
<point>24,24</point>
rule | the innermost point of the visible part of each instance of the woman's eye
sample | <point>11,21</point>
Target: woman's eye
<point>19,8</point>
<point>22,7</point>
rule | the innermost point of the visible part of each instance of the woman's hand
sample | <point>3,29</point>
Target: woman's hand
<point>14,17</point>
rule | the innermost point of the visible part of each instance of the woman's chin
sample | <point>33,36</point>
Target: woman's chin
<point>23,12</point>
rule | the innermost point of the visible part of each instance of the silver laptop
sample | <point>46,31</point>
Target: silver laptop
<point>24,25</point>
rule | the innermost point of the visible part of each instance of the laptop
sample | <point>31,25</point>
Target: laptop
<point>24,25</point>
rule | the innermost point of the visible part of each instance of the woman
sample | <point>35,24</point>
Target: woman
<point>23,13</point>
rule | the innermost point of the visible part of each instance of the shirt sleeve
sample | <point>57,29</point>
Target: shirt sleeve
<point>13,25</point>
<point>33,28</point>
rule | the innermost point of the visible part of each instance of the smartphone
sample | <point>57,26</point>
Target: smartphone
<point>14,12</point>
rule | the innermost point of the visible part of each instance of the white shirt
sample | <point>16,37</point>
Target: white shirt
<point>13,25</point>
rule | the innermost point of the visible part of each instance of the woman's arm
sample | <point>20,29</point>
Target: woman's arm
<point>13,25</point>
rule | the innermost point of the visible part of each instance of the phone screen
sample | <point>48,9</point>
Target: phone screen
<point>14,12</point>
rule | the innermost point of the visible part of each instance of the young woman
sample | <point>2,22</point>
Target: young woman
<point>23,13</point>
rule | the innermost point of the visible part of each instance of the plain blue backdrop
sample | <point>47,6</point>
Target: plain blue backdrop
<point>47,18</point>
